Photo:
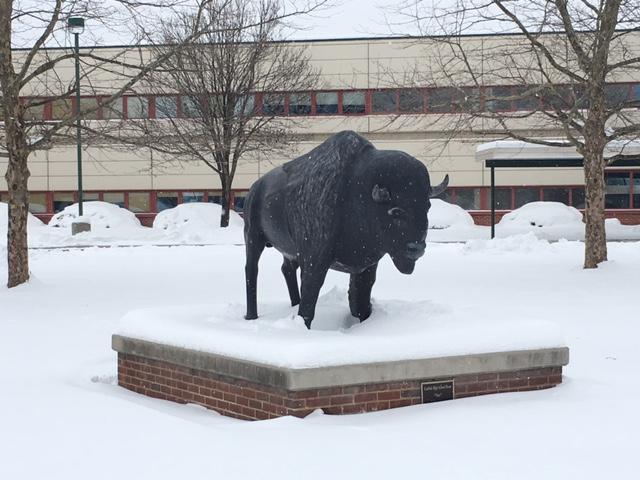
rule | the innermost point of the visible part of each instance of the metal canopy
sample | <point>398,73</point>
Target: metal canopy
<point>632,161</point>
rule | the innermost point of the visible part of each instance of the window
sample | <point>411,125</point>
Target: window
<point>190,106</point>
<point>527,100</point>
<point>618,188</point>
<point>35,112</point>
<point>166,107</point>
<point>117,198</point>
<point>273,104</point>
<point>468,198</point>
<point>89,104</point>
<point>503,199</point>
<point>37,202</point>
<point>4,197</point>
<point>190,197</point>
<point>137,107</point>
<point>215,197</point>
<point>61,109</point>
<point>300,104</point>
<point>494,94</point>
<point>245,105</point>
<point>384,101</point>
<point>113,109</point>
<point>526,195</point>
<point>577,197</point>
<point>353,102</point>
<point>636,189</point>
<point>62,200</point>
<point>445,100</point>
<point>616,95</point>
<point>558,97</point>
<point>165,200</point>
<point>238,202</point>
<point>327,103</point>
<point>139,202</point>
<point>411,101</point>
<point>556,195</point>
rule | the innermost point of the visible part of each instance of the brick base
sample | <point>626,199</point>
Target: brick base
<point>252,401</point>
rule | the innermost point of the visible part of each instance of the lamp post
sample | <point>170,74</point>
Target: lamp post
<point>75,25</point>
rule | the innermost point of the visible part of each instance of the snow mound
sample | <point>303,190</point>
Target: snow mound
<point>444,215</point>
<point>198,221</point>
<point>99,214</point>
<point>32,221</point>
<point>542,214</point>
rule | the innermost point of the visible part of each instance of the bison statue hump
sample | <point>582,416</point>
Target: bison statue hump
<point>343,205</point>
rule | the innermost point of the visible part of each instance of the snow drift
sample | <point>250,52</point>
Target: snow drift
<point>444,215</point>
<point>32,221</point>
<point>543,214</point>
<point>100,214</point>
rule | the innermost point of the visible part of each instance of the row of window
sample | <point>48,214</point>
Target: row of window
<point>338,102</point>
<point>623,192</point>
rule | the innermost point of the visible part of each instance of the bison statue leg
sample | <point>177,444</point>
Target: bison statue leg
<point>289,268</point>
<point>360,285</point>
<point>312,278</point>
<point>254,247</point>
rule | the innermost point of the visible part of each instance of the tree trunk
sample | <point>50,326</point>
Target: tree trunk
<point>17,177</point>
<point>226,204</point>
<point>595,239</point>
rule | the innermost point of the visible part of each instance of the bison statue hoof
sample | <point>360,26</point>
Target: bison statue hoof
<point>250,316</point>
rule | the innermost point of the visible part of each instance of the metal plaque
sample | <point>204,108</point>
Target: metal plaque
<point>437,391</point>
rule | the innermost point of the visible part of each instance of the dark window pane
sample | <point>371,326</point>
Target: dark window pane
<point>327,102</point>
<point>411,101</point>
<point>139,202</point>
<point>556,195</point>
<point>503,199</point>
<point>447,195</point>
<point>190,197</point>
<point>635,92</point>
<point>246,105</point>
<point>577,199</point>
<point>166,107</point>
<point>4,197</point>
<point>37,202</point>
<point>165,200</point>
<point>238,202</point>
<point>300,104</point>
<point>89,104</point>
<point>273,104</point>
<point>440,100</point>
<point>117,198</point>
<point>468,198</point>
<point>191,107</point>
<point>618,187</point>
<point>353,102</point>
<point>137,107</point>
<point>494,104</point>
<point>558,97</point>
<point>616,95</point>
<point>215,197</point>
<point>113,109</point>
<point>526,195</point>
<point>384,101</point>
<point>527,100</point>
<point>636,189</point>
<point>34,112</point>
<point>61,200</point>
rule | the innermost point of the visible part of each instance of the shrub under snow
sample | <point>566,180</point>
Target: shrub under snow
<point>194,218</point>
<point>444,215</point>
<point>543,214</point>
<point>99,214</point>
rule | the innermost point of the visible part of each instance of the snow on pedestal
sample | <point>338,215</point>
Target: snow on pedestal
<point>274,366</point>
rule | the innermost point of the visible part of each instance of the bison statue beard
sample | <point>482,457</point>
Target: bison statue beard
<point>343,205</point>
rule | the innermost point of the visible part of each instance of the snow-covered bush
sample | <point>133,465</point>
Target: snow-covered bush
<point>99,214</point>
<point>444,215</point>
<point>32,221</point>
<point>194,218</point>
<point>542,214</point>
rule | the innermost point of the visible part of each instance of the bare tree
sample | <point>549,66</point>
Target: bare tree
<point>31,77</point>
<point>217,79</point>
<point>558,61</point>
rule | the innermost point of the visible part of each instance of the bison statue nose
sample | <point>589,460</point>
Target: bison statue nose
<point>415,250</point>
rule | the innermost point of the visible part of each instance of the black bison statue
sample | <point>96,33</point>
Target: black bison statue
<point>343,206</point>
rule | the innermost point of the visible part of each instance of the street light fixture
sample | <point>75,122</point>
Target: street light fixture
<point>75,25</point>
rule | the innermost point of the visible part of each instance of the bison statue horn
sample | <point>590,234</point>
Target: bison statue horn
<point>342,206</point>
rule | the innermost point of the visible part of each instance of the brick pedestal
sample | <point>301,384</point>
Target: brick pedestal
<point>252,391</point>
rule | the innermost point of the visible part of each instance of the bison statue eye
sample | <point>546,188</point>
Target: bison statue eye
<point>397,212</point>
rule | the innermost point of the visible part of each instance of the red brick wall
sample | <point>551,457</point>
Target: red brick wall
<point>252,401</point>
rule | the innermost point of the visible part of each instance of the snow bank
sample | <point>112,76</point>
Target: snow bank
<point>543,214</point>
<point>396,330</point>
<point>32,221</point>
<point>199,222</point>
<point>101,215</point>
<point>444,215</point>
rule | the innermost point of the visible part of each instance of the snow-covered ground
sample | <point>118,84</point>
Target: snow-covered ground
<point>63,417</point>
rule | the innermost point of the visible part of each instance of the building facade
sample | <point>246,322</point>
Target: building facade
<point>360,91</point>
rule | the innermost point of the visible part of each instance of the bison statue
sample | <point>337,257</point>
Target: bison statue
<point>343,205</point>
